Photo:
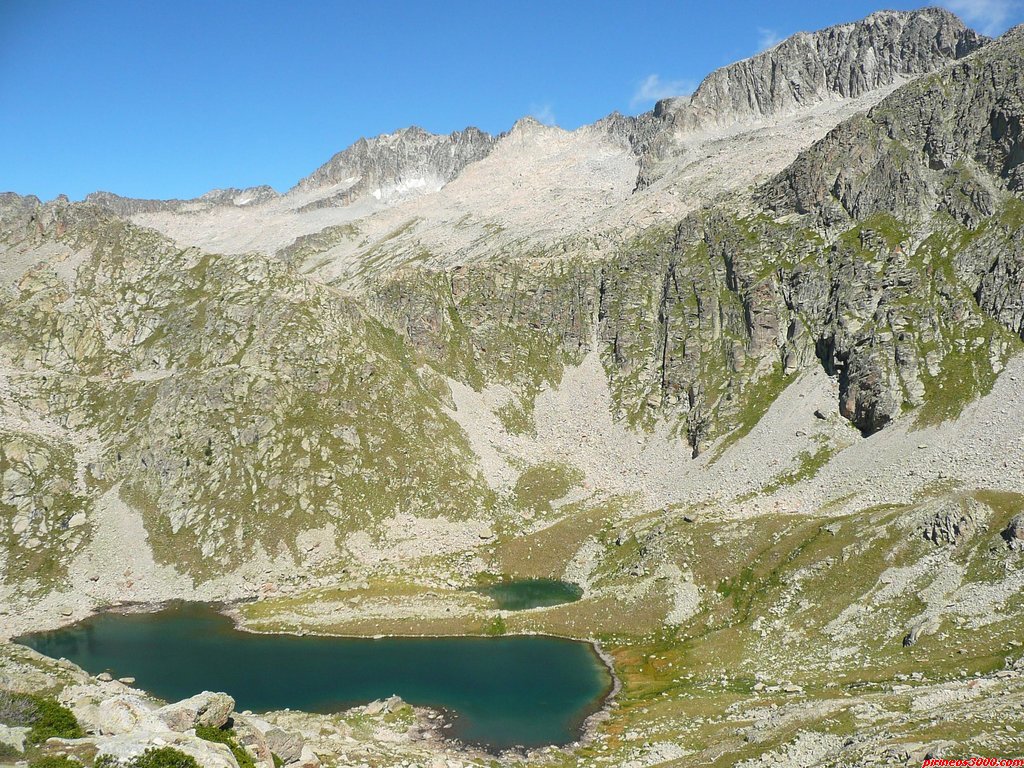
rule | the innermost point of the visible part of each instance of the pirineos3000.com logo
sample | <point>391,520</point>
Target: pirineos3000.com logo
<point>974,761</point>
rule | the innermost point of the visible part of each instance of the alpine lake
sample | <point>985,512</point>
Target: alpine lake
<point>497,692</point>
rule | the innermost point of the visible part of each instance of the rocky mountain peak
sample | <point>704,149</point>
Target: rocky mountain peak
<point>406,160</point>
<point>839,62</point>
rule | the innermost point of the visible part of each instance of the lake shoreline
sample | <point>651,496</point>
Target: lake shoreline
<point>604,703</point>
<point>589,727</point>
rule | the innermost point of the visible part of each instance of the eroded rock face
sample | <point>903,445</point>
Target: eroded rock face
<point>947,140</point>
<point>689,324</point>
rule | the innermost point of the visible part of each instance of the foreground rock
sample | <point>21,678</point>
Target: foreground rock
<point>126,746</point>
<point>206,708</point>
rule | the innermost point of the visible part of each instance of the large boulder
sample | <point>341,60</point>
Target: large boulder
<point>927,625</point>
<point>108,708</point>
<point>1013,534</point>
<point>206,708</point>
<point>259,736</point>
<point>307,759</point>
<point>121,714</point>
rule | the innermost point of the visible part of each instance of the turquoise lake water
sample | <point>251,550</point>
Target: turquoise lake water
<point>498,692</point>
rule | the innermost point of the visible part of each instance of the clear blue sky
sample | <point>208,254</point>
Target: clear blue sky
<point>170,99</point>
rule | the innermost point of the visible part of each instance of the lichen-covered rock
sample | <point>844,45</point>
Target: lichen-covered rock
<point>13,736</point>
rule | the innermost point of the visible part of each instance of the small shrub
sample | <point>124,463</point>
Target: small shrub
<point>8,750</point>
<point>53,720</point>
<point>164,757</point>
<point>16,709</point>
<point>496,627</point>
<point>227,737</point>
<point>106,761</point>
<point>54,761</point>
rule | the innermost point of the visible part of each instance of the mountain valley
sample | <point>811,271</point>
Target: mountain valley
<point>747,369</point>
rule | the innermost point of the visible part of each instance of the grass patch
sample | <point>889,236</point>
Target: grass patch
<point>757,399</point>
<point>163,757</point>
<point>517,417</point>
<point>540,485</point>
<point>965,374</point>
<point>54,761</point>
<point>496,627</point>
<point>808,465</point>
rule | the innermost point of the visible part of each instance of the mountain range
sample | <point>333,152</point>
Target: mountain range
<point>746,368</point>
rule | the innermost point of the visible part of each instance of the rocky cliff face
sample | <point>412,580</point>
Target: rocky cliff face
<point>842,62</point>
<point>906,309</point>
<point>949,141</point>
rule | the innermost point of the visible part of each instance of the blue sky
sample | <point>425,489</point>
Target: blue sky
<point>170,99</point>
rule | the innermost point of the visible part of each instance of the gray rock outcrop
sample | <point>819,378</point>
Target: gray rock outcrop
<point>947,141</point>
<point>263,739</point>
<point>952,520</point>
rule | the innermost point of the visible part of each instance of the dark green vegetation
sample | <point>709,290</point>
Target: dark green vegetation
<point>54,761</point>
<point>154,757</point>
<point>226,737</point>
<point>523,594</point>
<point>503,691</point>
<point>45,717</point>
